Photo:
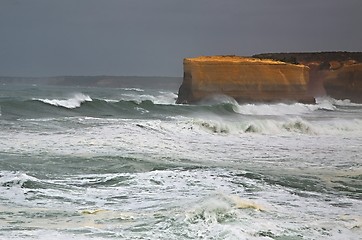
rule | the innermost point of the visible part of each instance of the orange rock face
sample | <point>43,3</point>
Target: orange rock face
<point>336,74</point>
<point>244,79</point>
<point>345,82</point>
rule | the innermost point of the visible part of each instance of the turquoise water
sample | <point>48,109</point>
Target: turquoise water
<point>127,163</point>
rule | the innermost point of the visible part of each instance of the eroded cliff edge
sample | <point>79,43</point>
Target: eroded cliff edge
<point>243,78</point>
<point>274,77</point>
<point>335,74</point>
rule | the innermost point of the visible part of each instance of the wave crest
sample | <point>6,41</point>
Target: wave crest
<point>331,102</point>
<point>283,109</point>
<point>15,179</point>
<point>73,102</point>
<point>295,125</point>
<point>277,109</point>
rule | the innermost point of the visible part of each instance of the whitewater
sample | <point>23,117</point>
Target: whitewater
<point>89,162</point>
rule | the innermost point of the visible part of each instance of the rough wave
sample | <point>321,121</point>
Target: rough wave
<point>165,98</point>
<point>133,89</point>
<point>15,179</point>
<point>275,109</point>
<point>84,105</point>
<point>279,126</point>
<point>220,208</point>
<point>220,116</point>
<point>73,102</point>
<point>282,109</point>
<point>336,102</point>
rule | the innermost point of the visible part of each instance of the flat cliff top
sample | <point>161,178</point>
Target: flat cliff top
<point>232,59</point>
<point>312,56</point>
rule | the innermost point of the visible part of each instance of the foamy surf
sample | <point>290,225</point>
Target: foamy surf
<point>336,102</point>
<point>14,179</point>
<point>133,89</point>
<point>73,102</point>
<point>282,109</point>
<point>141,167</point>
<point>278,109</point>
<point>164,98</point>
<point>290,125</point>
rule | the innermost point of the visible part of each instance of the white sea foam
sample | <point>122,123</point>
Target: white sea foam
<point>289,125</point>
<point>133,89</point>
<point>11,184</point>
<point>270,109</point>
<point>73,102</point>
<point>165,98</point>
<point>338,126</point>
<point>336,102</point>
<point>111,100</point>
<point>173,202</point>
<point>14,179</point>
<point>280,109</point>
<point>275,109</point>
<point>289,175</point>
<point>45,235</point>
<point>326,103</point>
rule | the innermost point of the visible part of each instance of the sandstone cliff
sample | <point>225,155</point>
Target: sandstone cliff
<point>336,74</point>
<point>245,79</point>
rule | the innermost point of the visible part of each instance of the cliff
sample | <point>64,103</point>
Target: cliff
<point>336,74</point>
<point>244,79</point>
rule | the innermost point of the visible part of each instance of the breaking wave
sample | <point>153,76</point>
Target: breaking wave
<point>15,179</point>
<point>164,98</point>
<point>73,102</point>
<point>133,89</point>
<point>220,208</point>
<point>336,102</point>
<point>275,109</point>
<point>222,115</point>
<point>295,125</point>
<point>280,109</point>
<point>80,104</point>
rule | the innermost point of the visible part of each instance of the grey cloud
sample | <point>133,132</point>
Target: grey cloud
<point>142,37</point>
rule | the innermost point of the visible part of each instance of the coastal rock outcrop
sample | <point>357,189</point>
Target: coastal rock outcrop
<point>335,74</point>
<point>243,78</point>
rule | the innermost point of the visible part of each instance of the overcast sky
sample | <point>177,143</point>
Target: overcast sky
<point>151,37</point>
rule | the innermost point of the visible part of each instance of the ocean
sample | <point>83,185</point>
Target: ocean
<point>125,162</point>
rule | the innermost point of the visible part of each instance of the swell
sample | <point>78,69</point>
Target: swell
<point>83,105</point>
<point>36,108</point>
<point>146,106</point>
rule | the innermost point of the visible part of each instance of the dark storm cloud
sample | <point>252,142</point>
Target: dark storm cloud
<point>144,37</point>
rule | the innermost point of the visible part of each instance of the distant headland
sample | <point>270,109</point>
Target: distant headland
<point>98,81</point>
<point>274,77</point>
